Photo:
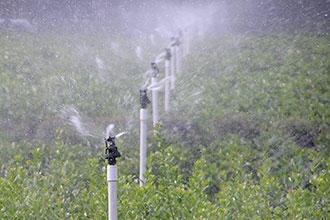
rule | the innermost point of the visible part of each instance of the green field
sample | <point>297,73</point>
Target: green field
<point>247,136</point>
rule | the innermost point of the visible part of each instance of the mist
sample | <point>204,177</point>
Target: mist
<point>181,109</point>
<point>141,17</point>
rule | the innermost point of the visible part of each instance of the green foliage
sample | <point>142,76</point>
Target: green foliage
<point>247,136</point>
<point>261,194</point>
<point>61,182</point>
<point>48,182</point>
<point>165,195</point>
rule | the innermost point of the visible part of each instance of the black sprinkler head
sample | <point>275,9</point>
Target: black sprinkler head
<point>144,100</point>
<point>175,41</point>
<point>155,70</point>
<point>168,54</point>
<point>180,33</point>
<point>111,151</point>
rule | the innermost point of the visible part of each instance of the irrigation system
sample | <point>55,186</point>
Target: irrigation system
<point>154,74</point>
<point>111,154</point>
<point>144,101</point>
<point>172,46</point>
<point>155,86</point>
<point>178,55</point>
<point>167,75</point>
<point>173,61</point>
<point>178,47</point>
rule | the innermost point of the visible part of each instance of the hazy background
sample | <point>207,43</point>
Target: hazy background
<point>166,16</point>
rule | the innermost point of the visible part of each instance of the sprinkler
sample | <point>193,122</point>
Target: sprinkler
<point>172,46</point>
<point>111,153</point>
<point>178,54</point>
<point>168,56</point>
<point>144,101</point>
<point>154,74</point>
<point>173,42</point>
<point>177,41</point>
<point>155,70</point>
<point>186,41</point>
<point>180,34</point>
<point>111,150</point>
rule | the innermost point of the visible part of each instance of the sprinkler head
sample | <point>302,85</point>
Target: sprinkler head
<point>144,100</point>
<point>155,70</point>
<point>175,41</point>
<point>111,150</point>
<point>168,54</point>
<point>180,33</point>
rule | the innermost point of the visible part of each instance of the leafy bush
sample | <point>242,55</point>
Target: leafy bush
<point>63,182</point>
<point>247,135</point>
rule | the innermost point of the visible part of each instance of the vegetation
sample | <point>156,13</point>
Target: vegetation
<point>247,136</point>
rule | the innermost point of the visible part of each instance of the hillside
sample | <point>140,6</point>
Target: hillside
<point>247,135</point>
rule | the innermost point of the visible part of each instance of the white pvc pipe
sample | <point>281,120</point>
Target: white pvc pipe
<point>155,116</point>
<point>167,85</point>
<point>187,41</point>
<point>143,143</point>
<point>178,59</point>
<point>184,43</point>
<point>172,68</point>
<point>112,178</point>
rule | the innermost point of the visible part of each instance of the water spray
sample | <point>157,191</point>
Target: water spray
<point>144,101</point>
<point>167,74</point>
<point>111,153</point>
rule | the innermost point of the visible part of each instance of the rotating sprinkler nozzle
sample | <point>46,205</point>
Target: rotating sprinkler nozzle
<point>111,150</point>
<point>155,70</point>
<point>111,153</point>
<point>168,54</point>
<point>144,100</point>
<point>175,41</point>
<point>180,33</point>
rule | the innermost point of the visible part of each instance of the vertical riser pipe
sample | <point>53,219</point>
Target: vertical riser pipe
<point>178,59</point>
<point>143,144</point>
<point>154,103</point>
<point>112,191</point>
<point>167,86</point>
<point>173,68</point>
<point>187,42</point>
